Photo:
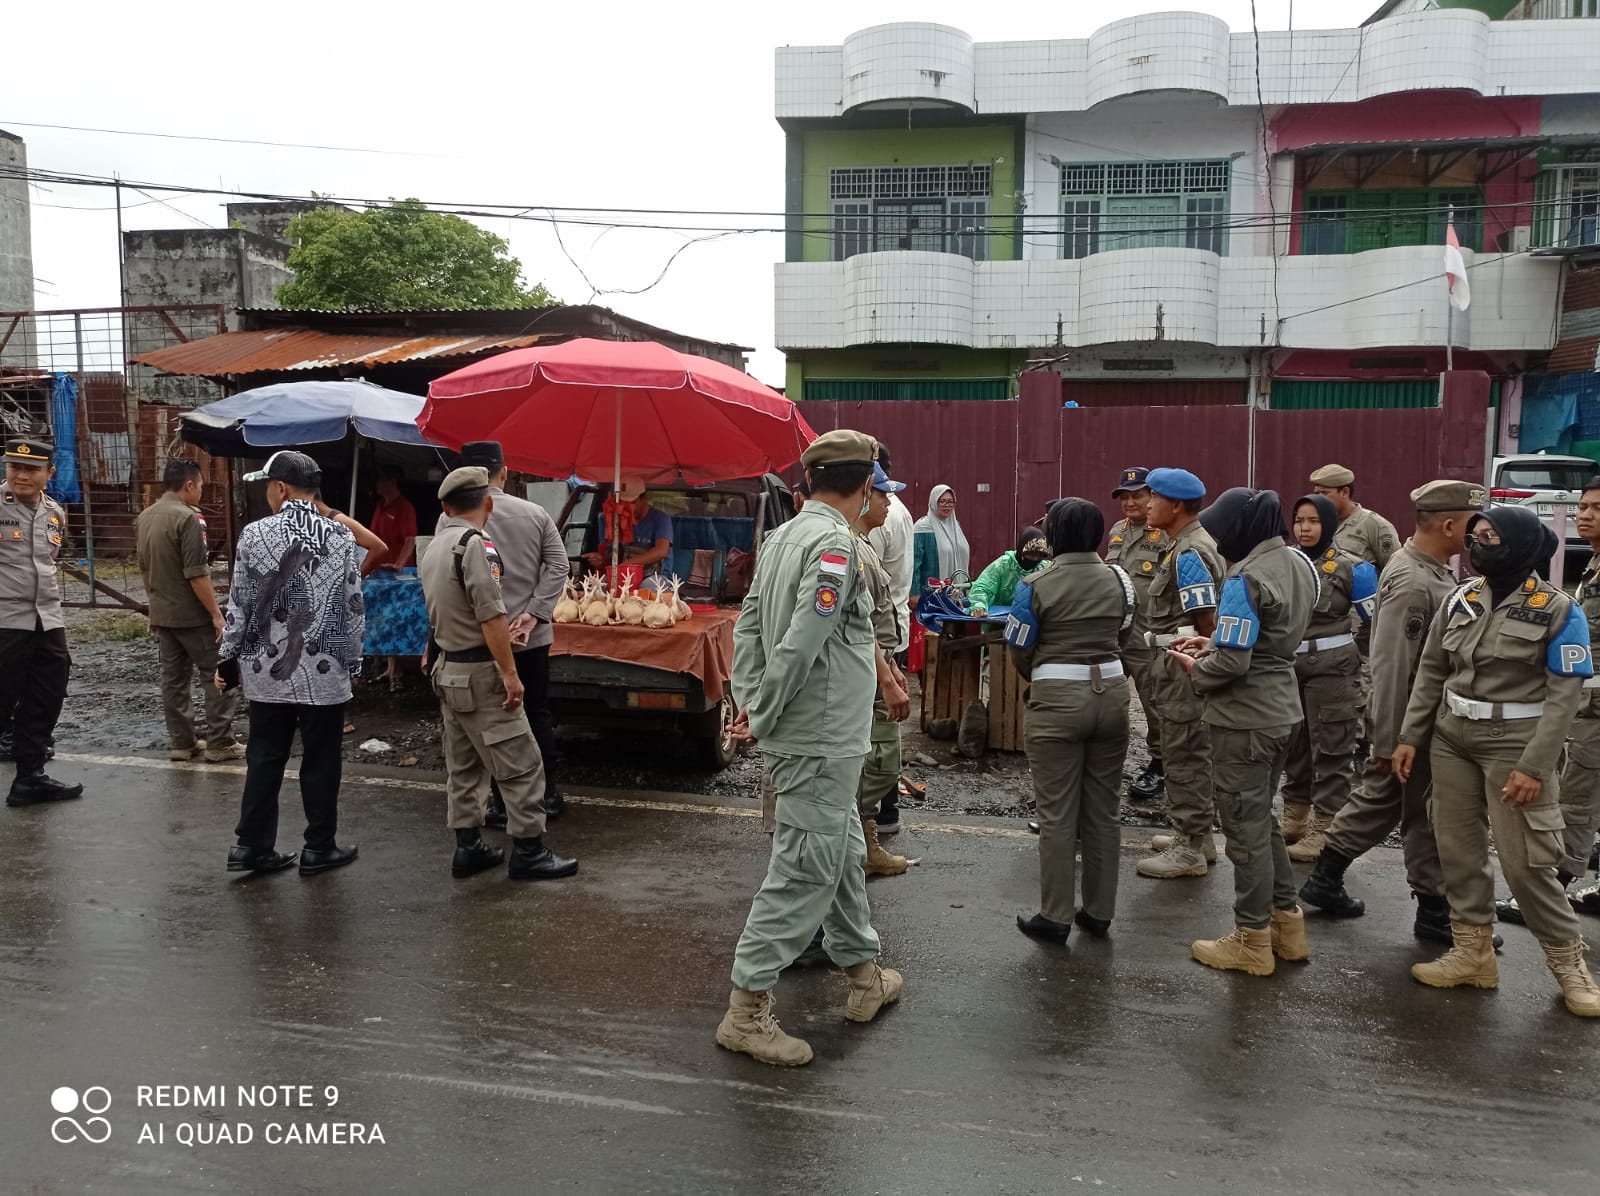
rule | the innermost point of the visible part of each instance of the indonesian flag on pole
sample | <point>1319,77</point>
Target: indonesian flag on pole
<point>1455,269</point>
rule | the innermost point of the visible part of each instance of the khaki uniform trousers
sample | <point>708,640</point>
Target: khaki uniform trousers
<point>1139,661</point>
<point>1318,769</point>
<point>880,772</point>
<point>815,875</point>
<point>1580,794</point>
<point>1381,803</point>
<point>1248,764</point>
<point>1077,740</point>
<point>185,651</point>
<point>484,741</point>
<point>1186,749</point>
<point>1471,761</point>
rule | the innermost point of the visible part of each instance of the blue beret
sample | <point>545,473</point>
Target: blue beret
<point>1133,478</point>
<point>1177,484</point>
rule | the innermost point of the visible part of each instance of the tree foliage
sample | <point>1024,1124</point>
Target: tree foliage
<point>401,258</point>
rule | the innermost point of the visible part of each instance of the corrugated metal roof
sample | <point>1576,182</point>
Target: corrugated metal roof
<point>303,349</point>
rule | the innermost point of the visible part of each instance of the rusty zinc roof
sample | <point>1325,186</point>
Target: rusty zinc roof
<point>271,350</point>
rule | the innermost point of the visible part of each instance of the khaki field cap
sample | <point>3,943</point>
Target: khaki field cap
<point>1446,495</point>
<point>1333,476</point>
<point>468,477</point>
<point>841,447</point>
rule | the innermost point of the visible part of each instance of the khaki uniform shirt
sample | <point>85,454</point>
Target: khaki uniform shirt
<point>1080,606</point>
<point>1368,536</point>
<point>1515,652</point>
<point>803,660</point>
<point>30,541</point>
<point>534,559</point>
<point>457,610</point>
<point>1185,581</point>
<point>1411,590</point>
<point>1587,596</point>
<point>171,539</point>
<point>1138,549</point>
<point>893,543</point>
<point>879,585</point>
<point>1248,679</point>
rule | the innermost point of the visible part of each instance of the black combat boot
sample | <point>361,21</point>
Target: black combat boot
<point>495,815</point>
<point>555,804</point>
<point>1433,919</point>
<point>34,788</point>
<point>1150,783</point>
<point>473,855</point>
<point>8,747</point>
<point>1324,888</point>
<point>532,860</point>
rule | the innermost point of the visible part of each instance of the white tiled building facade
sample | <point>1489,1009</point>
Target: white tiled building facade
<point>1142,204</point>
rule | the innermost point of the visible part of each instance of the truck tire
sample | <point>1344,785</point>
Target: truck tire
<point>716,739</point>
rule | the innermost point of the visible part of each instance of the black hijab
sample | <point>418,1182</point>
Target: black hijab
<point>1241,518</point>
<point>1329,514</point>
<point>1525,548</point>
<point>1074,525</point>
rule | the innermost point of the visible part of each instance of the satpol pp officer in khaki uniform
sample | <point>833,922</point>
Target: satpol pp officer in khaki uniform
<point>34,662</point>
<point>1138,548</point>
<point>1501,678</point>
<point>804,671</point>
<point>1580,779</point>
<point>1246,676</point>
<point>486,730</point>
<point>1064,631</point>
<point>1411,590</point>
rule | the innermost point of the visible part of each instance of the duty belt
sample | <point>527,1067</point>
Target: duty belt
<point>1591,683</point>
<point>1476,711</point>
<point>469,656</point>
<point>1325,645</point>
<point>1077,672</point>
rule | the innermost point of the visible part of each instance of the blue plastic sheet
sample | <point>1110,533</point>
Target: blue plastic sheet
<point>65,486</point>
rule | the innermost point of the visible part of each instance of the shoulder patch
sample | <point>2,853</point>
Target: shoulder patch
<point>1330,566</point>
<point>826,601</point>
<point>1539,599</point>
<point>1238,624</point>
<point>1364,590</point>
<point>1465,599</point>
<point>1568,654</point>
<point>1197,589</point>
<point>1416,625</point>
<point>834,564</point>
<point>1022,627</point>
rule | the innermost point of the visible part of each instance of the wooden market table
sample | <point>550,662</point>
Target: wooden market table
<point>953,678</point>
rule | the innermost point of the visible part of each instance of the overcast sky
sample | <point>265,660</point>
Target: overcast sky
<point>622,105</point>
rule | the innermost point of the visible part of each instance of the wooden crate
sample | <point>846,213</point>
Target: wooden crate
<point>1008,713</point>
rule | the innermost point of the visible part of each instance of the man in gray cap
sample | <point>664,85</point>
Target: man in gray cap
<point>534,572</point>
<point>486,730</point>
<point>804,666</point>
<point>1411,589</point>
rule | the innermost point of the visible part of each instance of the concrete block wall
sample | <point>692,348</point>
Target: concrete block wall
<point>16,230</point>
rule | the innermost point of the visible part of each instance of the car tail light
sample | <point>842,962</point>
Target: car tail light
<point>1508,495</point>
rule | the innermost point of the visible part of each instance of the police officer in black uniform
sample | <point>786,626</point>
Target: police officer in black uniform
<point>33,638</point>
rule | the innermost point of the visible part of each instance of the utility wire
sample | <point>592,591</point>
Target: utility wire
<point>339,149</point>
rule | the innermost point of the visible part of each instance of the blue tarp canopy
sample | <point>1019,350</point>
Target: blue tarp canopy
<point>303,413</point>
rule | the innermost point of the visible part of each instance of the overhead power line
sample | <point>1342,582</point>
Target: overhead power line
<point>338,149</point>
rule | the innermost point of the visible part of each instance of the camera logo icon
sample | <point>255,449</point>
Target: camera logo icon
<point>94,1101</point>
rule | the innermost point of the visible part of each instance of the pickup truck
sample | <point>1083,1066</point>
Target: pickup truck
<point>710,523</point>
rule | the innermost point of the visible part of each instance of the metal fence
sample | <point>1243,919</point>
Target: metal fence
<point>65,375</point>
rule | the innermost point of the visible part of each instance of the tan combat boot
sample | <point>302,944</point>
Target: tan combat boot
<point>1470,962</point>
<point>1289,934</point>
<point>880,861</point>
<point>1310,845</point>
<point>1295,815</point>
<point>1208,845</point>
<point>1244,950</point>
<point>1572,974</point>
<point>871,988</point>
<point>750,1027</point>
<point>1179,859</point>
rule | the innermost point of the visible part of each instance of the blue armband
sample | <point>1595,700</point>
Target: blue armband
<point>1238,625</point>
<point>1022,627</point>
<point>1568,654</point>
<point>1197,589</point>
<point>1364,590</point>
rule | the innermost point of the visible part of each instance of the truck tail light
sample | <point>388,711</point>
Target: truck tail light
<point>645,701</point>
<point>1510,495</point>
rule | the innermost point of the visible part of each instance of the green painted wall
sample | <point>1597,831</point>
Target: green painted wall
<point>880,363</point>
<point>827,149</point>
<point>1494,9</point>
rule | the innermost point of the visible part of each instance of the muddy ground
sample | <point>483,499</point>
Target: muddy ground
<point>113,702</point>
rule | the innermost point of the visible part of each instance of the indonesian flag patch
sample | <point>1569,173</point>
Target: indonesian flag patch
<point>834,564</point>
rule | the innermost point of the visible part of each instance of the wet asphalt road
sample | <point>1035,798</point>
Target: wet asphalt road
<point>559,1037</point>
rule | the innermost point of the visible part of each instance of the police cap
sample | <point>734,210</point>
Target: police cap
<point>1333,477</point>
<point>30,452</point>
<point>841,447</point>
<point>468,477</point>
<point>1133,478</point>
<point>1447,495</point>
<point>486,453</point>
<point>1177,484</point>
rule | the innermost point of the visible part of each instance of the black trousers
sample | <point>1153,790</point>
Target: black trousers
<point>272,728</point>
<point>533,668</point>
<point>34,666</point>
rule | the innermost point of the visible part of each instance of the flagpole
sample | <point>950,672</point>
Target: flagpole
<point>1450,314</point>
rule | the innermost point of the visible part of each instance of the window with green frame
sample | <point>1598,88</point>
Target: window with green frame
<point>862,390</point>
<point>1355,221</point>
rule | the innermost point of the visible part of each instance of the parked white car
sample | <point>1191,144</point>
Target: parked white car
<point>1543,481</point>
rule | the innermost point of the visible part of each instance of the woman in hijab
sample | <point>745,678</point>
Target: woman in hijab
<point>1499,682</point>
<point>1065,625</point>
<point>939,546</point>
<point>1245,676</point>
<point>997,583</point>
<point>1327,668</point>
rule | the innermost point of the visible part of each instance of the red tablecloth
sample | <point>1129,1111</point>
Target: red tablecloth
<point>702,646</point>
